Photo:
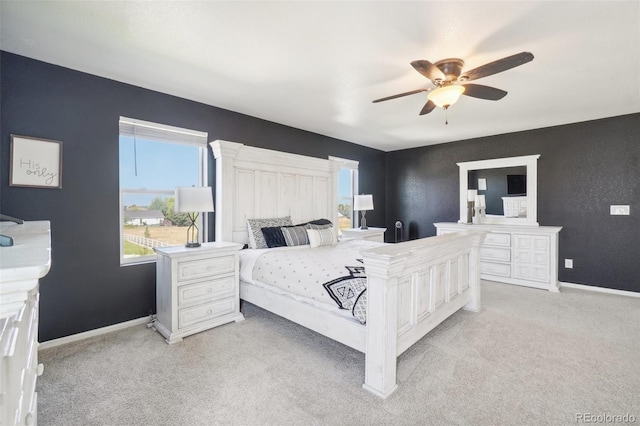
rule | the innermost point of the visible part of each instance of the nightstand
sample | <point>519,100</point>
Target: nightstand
<point>371,234</point>
<point>196,288</point>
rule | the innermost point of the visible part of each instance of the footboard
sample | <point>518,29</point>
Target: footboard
<point>411,288</point>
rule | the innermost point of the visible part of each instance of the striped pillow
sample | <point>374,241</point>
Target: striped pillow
<point>295,235</point>
<point>316,226</point>
<point>322,237</point>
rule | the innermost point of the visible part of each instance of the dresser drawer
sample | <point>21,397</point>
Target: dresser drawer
<point>497,269</point>
<point>497,239</point>
<point>194,269</point>
<point>495,253</point>
<point>201,313</point>
<point>217,288</point>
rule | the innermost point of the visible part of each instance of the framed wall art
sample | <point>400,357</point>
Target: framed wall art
<point>35,162</point>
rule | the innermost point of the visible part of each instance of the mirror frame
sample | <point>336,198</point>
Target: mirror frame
<point>531,163</point>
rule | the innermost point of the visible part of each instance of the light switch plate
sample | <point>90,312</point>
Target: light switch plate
<point>568,263</point>
<point>619,210</point>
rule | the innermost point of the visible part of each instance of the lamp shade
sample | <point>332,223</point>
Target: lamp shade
<point>190,199</point>
<point>446,96</point>
<point>363,202</point>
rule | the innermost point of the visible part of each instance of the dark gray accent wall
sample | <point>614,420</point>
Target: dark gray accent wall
<point>86,287</point>
<point>583,169</point>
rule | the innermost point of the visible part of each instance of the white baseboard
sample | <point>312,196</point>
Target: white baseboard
<point>599,289</point>
<point>91,333</point>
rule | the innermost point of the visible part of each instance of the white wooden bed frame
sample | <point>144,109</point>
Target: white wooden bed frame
<point>412,286</point>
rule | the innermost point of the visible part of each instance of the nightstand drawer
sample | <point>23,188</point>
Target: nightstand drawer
<point>498,269</point>
<point>494,253</point>
<point>495,239</point>
<point>191,316</point>
<point>218,288</point>
<point>189,270</point>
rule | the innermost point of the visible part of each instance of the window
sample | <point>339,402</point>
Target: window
<point>347,188</point>
<point>154,159</point>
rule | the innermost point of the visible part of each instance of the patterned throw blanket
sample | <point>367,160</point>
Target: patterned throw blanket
<point>326,275</point>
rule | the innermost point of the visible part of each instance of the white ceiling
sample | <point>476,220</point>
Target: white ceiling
<point>318,65</point>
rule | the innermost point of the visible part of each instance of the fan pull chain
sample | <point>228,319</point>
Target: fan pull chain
<point>446,116</point>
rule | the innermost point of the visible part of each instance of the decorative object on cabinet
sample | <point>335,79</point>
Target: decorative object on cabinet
<point>193,200</point>
<point>471,199</point>
<point>196,289</point>
<point>522,255</point>
<point>35,162</point>
<point>363,203</point>
<point>530,162</point>
<point>21,266</point>
<point>370,234</point>
<point>398,231</point>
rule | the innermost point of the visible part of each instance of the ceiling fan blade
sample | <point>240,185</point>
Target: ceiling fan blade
<point>413,92</point>
<point>483,92</point>
<point>497,66</point>
<point>427,108</point>
<point>429,70</point>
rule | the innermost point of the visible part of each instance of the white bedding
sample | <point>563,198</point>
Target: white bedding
<point>301,271</point>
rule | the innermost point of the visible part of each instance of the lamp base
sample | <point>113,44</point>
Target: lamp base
<point>363,222</point>
<point>192,231</point>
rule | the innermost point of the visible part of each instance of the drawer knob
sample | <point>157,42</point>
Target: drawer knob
<point>209,290</point>
<point>209,312</point>
<point>29,419</point>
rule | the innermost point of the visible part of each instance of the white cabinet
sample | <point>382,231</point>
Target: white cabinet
<point>21,266</point>
<point>370,234</point>
<point>196,289</point>
<point>522,255</point>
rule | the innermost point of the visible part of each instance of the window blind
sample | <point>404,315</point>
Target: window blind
<point>161,132</point>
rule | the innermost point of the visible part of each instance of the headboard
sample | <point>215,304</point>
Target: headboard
<point>263,183</point>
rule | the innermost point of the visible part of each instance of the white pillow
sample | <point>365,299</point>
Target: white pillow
<point>322,237</point>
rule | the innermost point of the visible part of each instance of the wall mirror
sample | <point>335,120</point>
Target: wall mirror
<point>509,186</point>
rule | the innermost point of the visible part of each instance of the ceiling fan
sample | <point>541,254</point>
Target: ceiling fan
<point>445,75</point>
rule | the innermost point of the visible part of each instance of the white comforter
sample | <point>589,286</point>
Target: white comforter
<point>303,271</point>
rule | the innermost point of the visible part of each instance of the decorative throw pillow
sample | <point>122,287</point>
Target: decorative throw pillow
<point>319,224</point>
<point>295,235</point>
<point>256,238</point>
<point>273,237</point>
<point>322,237</point>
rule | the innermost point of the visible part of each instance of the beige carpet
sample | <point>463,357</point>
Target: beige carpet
<point>528,358</point>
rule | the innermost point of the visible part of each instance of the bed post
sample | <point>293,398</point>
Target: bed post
<point>382,318</point>
<point>474,276</point>
<point>224,153</point>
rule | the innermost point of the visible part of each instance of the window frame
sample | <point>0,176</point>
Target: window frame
<point>352,166</point>
<point>162,133</point>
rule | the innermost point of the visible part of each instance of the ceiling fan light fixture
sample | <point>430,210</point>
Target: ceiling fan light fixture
<point>446,96</point>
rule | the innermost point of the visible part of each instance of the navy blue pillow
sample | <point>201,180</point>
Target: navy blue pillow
<point>273,236</point>
<point>321,222</point>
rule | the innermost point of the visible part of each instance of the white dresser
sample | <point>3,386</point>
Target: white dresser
<point>21,267</point>
<point>370,234</point>
<point>522,255</point>
<point>196,288</point>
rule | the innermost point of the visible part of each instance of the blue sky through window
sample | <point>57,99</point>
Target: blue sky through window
<point>160,166</point>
